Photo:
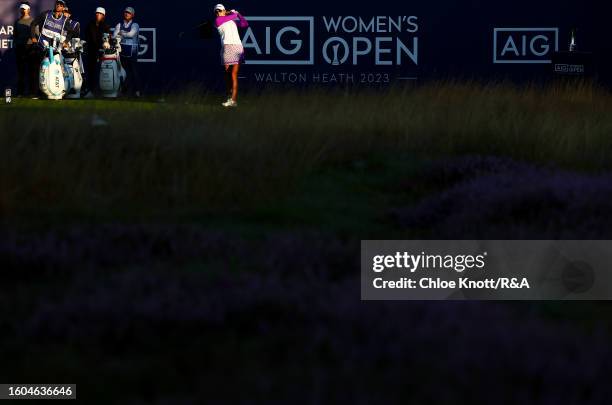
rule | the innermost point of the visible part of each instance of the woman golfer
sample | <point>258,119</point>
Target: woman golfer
<point>232,52</point>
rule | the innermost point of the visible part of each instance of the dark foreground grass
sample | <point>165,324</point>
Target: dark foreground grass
<point>187,156</point>
<point>172,252</point>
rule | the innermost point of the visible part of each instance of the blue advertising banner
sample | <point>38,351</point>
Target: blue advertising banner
<point>353,44</point>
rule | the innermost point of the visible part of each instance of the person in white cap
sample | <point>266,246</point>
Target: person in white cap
<point>94,33</point>
<point>27,61</point>
<point>130,32</point>
<point>232,51</point>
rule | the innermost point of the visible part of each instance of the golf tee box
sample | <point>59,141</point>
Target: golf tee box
<point>486,270</point>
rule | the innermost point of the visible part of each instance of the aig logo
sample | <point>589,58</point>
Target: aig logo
<point>280,41</point>
<point>148,45</point>
<point>147,53</point>
<point>524,45</point>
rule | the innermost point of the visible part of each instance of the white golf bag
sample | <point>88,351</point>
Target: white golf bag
<point>51,76</point>
<point>112,74</point>
<point>73,68</point>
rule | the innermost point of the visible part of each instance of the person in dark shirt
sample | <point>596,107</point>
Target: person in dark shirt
<point>27,62</point>
<point>73,27</point>
<point>93,36</point>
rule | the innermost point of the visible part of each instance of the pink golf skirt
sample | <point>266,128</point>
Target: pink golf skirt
<point>232,54</point>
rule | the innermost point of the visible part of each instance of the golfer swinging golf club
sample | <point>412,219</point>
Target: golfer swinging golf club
<point>232,51</point>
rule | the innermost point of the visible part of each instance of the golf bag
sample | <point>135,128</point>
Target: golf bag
<point>112,74</point>
<point>51,77</point>
<point>73,68</point>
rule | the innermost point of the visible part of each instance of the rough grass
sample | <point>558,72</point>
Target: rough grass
<point>249,292</point>
<point>189,155</point>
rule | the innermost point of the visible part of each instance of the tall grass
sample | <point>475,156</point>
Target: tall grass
<point>261,313</point>
<point>190,154</point>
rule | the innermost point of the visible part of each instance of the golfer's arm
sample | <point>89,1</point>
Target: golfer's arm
<point>35,27</point>
<point>225,18</point>
<point>242,22</point>
<point>133,31</point>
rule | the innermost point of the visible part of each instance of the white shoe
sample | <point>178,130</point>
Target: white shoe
<point>230,104</point>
